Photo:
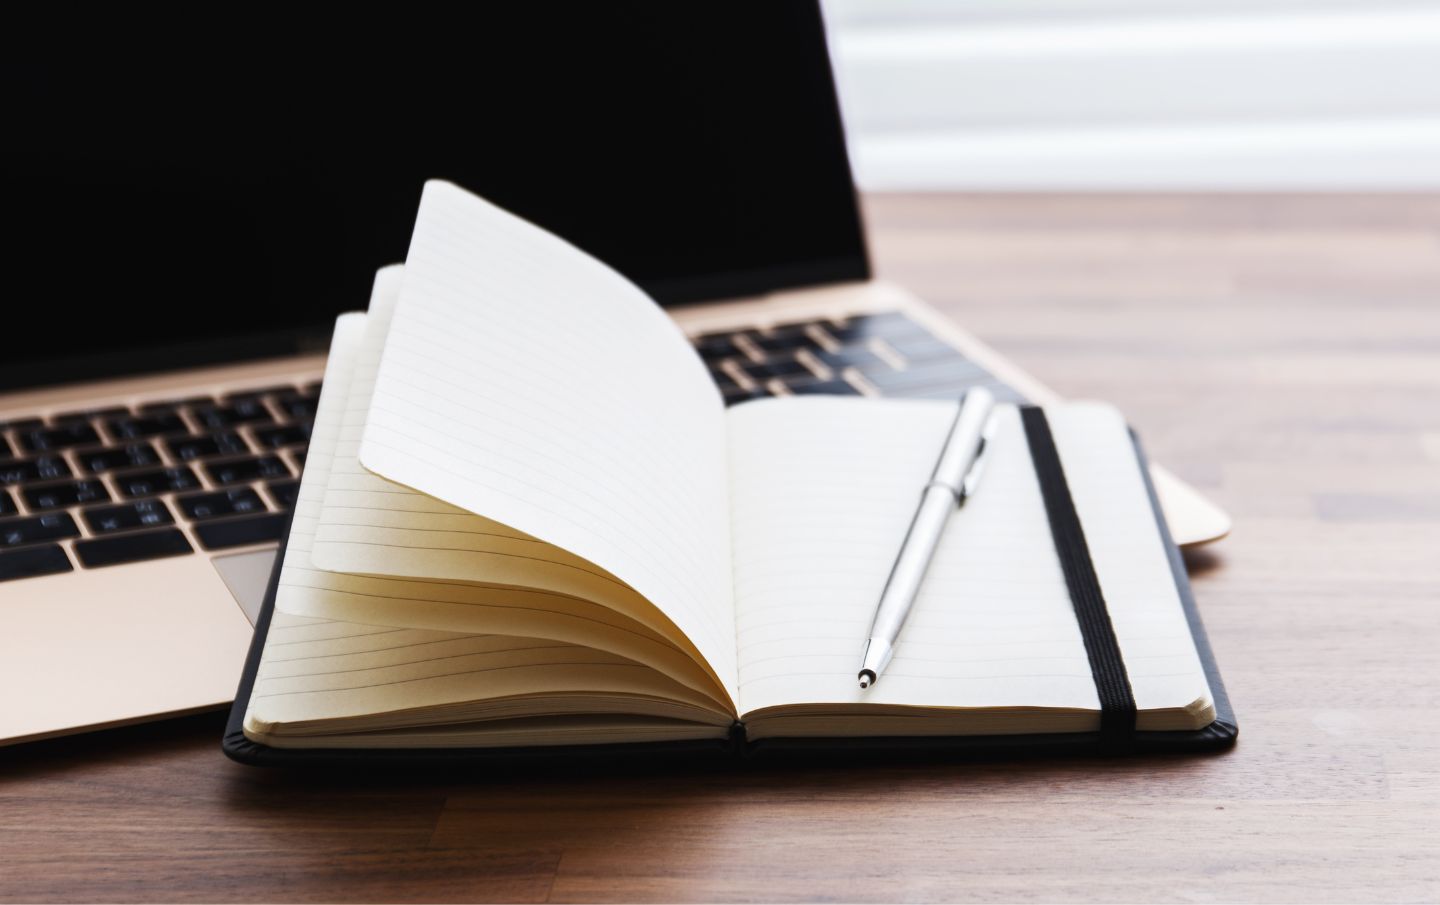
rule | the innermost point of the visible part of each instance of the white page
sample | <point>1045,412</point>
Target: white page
<point>824,492</point>
<point>526,382</point>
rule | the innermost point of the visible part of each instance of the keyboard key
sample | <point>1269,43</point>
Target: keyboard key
<point>131,455</point>
<point>40,468</point>
<point>200,506</point>
<point>23,424</point>
<point>160,480</point>
<point>53,526</point>
<point>43,439</point>
<point>778,367</point>
<point>114,551</point>
<point>64,493</point>
<point>7,503</point>
<point>854,357</point>
<point>822,387</point>
<point>887,325</point>
<point>5,450</point>
<point>916,349</point>
<point>205,446</point>
<point>724,381</point>
<point>237,471</point>
<point>298,405</point>
<point>713,346</point>
<point>284,493</point>
<point>241,411</point>
<point>32,561</point>
<point>146,425</point>
<point>139,514</point>
<point>282,436</point>
<point>237,532</point>
<point>299,456</point>
<point>943,372</point>
<point>787,338</point>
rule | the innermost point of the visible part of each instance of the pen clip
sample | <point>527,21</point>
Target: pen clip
<point>977,467</point>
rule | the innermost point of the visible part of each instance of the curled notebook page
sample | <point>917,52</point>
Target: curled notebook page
<point>434,565</point>
<point>315,666</point>
<point>526,382</point>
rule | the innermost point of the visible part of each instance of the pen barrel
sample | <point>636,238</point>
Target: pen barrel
<point>918,549</point>
<point>952,480</point>
<point>966,439</point>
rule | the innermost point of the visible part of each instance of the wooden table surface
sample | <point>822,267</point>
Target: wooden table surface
<point>1281,353</point>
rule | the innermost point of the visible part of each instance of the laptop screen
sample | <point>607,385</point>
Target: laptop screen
<point>178,202</point>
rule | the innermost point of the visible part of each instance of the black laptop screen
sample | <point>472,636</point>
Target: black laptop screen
<point>209,195</point>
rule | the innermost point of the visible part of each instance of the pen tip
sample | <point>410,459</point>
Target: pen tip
<point>867,678</point>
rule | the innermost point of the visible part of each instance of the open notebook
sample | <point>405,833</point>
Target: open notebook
<point>527,520</point>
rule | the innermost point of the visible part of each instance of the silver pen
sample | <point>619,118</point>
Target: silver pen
<point>954,479</point>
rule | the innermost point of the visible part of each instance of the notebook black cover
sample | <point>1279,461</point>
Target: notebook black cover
<point>1219,735</point>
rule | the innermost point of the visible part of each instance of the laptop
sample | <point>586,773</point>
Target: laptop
<point>183,223</point>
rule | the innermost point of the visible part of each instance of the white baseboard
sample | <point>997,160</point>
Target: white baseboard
<point>1170,96</point>
<point>1331,156</point>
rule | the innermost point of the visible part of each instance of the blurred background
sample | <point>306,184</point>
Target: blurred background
<point>1166,95</point>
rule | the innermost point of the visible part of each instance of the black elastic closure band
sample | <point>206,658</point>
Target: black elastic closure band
<point>1117,700</point>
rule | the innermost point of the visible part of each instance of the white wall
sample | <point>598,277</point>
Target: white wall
<point>1140,94</point>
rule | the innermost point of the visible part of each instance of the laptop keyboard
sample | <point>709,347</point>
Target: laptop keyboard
<point>886,354</point>
<point>119,483</point>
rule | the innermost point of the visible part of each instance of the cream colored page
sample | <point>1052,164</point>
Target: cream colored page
<point>368,581</point>
<point>302,586</point>
<point>824,491</point>
<point>358,675</point>
<point>315,668</point>
<point>527,382</point>
<point>375,526</point>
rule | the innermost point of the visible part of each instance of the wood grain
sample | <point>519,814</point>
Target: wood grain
<point>1281,353</point>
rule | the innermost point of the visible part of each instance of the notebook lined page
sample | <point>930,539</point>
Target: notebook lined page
<point>301,585</point>
<point>372,525</point>
<point>525,381</point>
<point>315,668</point>
<point>381,589</point>
<point>1131,562</point>
<point>824,492</point>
